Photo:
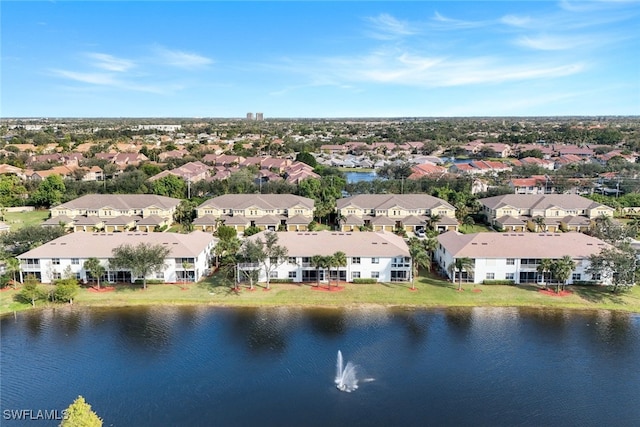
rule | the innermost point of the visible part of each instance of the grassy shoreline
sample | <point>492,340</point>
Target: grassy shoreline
<point>430,293</point>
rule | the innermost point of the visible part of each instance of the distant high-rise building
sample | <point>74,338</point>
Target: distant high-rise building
<point>249,116</point>
<point>259,116</point>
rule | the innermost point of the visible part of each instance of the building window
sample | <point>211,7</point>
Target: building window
<point>490,276</point>
<point>510,276</point>
<point>160,275</point>
<point>273,274</point>
<point>375,260</point>
<point>292,260</point>
<point>355,260</point>
<point>293,274</point>
<point>375,274</point>
<point>576,276</point>
<point>355,274</point>
<point>596,276</point>
<point>511,261</point>
<point>55,261</point>
<point>75,261</point>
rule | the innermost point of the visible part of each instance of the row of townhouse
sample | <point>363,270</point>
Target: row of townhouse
<point>188,260</point>
<point>388,212</point>
<point>381,256</point>
<point>114,212</point>
<point>378,212</point>
<point>515,256</point>
<point>566,212</point>
<point>265,211</point>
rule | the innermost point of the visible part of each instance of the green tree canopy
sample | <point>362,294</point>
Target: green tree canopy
<point>170,186</point>
<point>12,192</point>
<point>141,259</point>
<point>19,241</point>
<point>79,414</point>
<point>50,192</point>
<point>94,268</point>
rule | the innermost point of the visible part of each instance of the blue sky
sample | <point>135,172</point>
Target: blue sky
<point>319,59</point>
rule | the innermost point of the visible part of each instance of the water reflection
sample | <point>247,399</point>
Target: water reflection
<point>145,329</point>
<point>461,366</point>
<point>69,322</point>
<point>328,323</point>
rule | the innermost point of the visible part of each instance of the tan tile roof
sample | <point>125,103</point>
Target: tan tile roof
<point>386,201</point>
<point>363,244</point>
<point>520,245</point>
<point>539,201</point>
<point>100,245</point>
<point>120,201</point>
<point>264,201</point>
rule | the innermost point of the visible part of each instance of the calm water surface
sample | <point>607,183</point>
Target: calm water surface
<point>198,366</point>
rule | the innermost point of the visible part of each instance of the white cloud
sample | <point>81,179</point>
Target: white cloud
<point>516,21</point>
<point>423,71</point>
<point>549,42</point>
<point>443,22</point>
<point>388,27</point>
<point>110,80</point>
<point>110,62</point>
<point>177,58</point>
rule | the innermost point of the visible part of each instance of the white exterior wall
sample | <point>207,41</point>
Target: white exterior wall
<point>47,268</point>
<point>365,268</point>
<point>500,268</point>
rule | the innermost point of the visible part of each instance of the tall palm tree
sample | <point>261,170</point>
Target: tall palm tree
<point>339,260</point>
<point>544,267</point>
<point>432,220</point>
<point>562,269</point>
<point>540,224</point>
<point>459,265</point>
<point>317,262</point>
<point>419,258</point>
<point>13,266</point>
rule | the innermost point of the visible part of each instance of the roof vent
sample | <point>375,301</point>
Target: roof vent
<point>484,244</point>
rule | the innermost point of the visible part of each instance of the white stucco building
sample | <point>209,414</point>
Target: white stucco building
<point>382,256</point>
<point>515,256</point>
<point>188,258</point>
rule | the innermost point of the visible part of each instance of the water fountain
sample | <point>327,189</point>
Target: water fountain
<point>345,376</point>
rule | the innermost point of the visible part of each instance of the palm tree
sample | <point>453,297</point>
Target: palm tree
<point>432,220</point>
<point>459,265</point>
<point>339,259</point>
<point>317,262</point>
<point>540,224</point>
<point>544,267</point>
<point>562,269</point>
<point>419,258</point>
<point>94,268</point>
<point>13,266</point>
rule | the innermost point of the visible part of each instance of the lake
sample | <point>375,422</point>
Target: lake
<point>353,177</point>
<point>203,366</point>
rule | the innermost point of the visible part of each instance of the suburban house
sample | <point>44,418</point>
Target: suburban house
<point>536,184</point>
<point>115,212</point>
<point>189,172</point>
<point>567,212</point>
<point>387,212</point>
<point>188,260</point>
<point>514,256</point>
<point>381,255</point>
<point>265,211</point>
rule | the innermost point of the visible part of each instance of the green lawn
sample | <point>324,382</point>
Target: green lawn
<point>430,292</point>
<point>475,228</point>
<point>17,220</point>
